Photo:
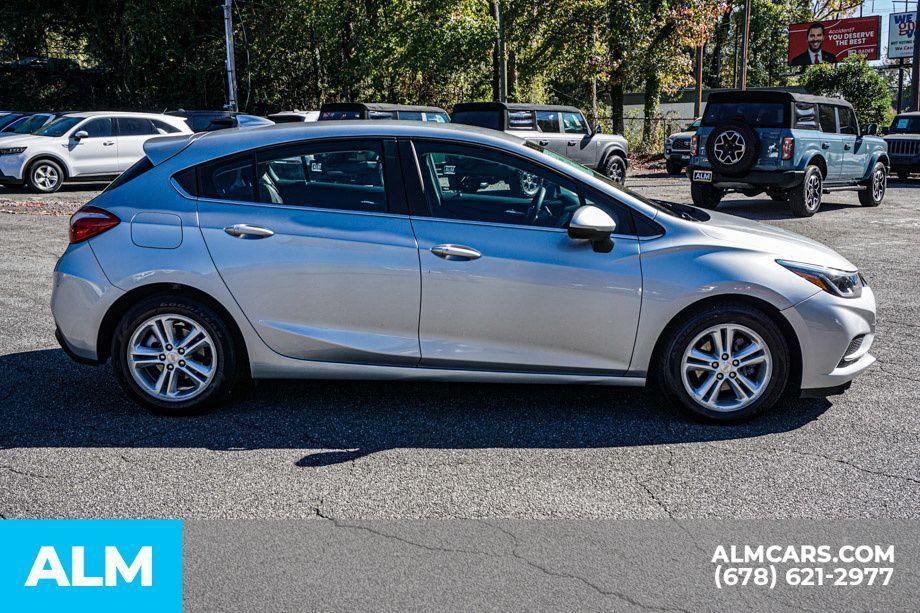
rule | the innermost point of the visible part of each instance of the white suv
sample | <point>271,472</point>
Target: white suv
<point>81,147</point>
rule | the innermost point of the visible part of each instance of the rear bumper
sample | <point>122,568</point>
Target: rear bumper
<point>755,179</point>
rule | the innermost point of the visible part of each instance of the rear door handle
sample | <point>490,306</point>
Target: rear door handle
<point>572,143</point>
<point>825,146</point>
<point>543,143</point>
<point>846,147</point>
<point>242,230</point>
<point>455,252</point>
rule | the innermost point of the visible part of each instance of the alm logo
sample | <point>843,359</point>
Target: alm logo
<point>48,567</point>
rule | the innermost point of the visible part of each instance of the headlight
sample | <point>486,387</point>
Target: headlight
<point>12,150</point>
<point>838,282</point>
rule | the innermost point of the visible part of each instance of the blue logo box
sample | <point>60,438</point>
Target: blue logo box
<point>91,565</point>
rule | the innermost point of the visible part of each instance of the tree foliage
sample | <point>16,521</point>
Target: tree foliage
<point>855,80</point>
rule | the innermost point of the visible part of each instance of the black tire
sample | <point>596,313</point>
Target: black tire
<point>670,357</point>
<point>224,357</point>
<point>745,145</point>
<point>615,168</point>
<point>45,176</point>
<point>673,168</point>
<point>804,201</point>
<point>705,196</point>
<point>875,186</point>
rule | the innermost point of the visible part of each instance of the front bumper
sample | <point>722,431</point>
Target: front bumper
<point>826,326</point>
<point>80,298</point>
<point>904,162</point>
<point>11,167</point>
<point>755,179</point>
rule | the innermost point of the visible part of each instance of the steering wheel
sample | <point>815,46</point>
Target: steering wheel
<point>536,204</point>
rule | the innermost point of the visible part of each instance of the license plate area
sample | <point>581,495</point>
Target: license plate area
<point>702,176</point>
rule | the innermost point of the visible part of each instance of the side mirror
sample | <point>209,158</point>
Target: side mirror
<point>592,224</point>
<point>872,129</point>
<point>80,135</point>
<point>598,129</point>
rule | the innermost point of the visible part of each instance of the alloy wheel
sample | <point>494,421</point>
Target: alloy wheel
<point>813,192</point>
<point>879,183</point>
<point>726,367</point>
<point>172,357</point>
<point>46,177</point>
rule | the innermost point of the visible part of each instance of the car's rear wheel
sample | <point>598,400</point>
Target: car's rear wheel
<point>174,355</point>
<point>615,168</point>
<point>725,363</point>
<point>875,187</point>
<point>705,196</point>
<point>805,198</point>
<point>45,176</point>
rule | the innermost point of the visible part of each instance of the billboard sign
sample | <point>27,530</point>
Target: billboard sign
<point>901,35</point>
<point>834,40</point>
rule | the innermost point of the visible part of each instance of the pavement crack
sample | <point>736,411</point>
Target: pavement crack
<point>25,473</point>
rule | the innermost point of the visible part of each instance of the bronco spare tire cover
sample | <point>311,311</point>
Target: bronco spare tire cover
<point>732,148</point>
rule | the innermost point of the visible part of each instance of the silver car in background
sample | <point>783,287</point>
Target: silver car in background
<point>339,250</point>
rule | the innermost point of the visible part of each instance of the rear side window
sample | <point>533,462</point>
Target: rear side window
<point>229,179</point>
<point>410,115</point>
<point>548,121</point>
<point>134,171</point>
<point>806,117</point>
<point>336,115</point>
<point>521,120</point>
<point>483,119</point>
<point>135,126</point>
<point>828,119</point>
<point>756,114</point>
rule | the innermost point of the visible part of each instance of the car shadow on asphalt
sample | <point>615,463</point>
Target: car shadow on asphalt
<point>770,210</point>
<point>55,403</point>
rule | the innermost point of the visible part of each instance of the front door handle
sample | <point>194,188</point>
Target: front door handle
<point>846,147</point>
<point>242,230</point>
<point>825,146</point>
<point>108,143</point>
<point>572,143</point>
<point>455,252</point>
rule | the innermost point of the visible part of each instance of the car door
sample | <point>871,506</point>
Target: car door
<point>855,156</point>
<point>97,152</point>
<point>580,144</point>
<point>132,133</point>
<point>831,142</point>
<point>311,241</point>
<point>549,124</point>
<point>503,286</point>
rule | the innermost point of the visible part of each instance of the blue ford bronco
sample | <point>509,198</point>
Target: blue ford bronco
<point>795,147</point>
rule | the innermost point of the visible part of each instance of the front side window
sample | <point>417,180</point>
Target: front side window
<point>476,184</point>
<point>135,126</point>
<point>98,128</point>
<point>548,121</point>
<point>344,176</point>
<point>521,120</point>
<point>574,123</point>
<point>828,118</point>
<point>806,117</point>
<point>848,123</point>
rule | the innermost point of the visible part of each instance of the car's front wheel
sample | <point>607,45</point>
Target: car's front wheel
<point>45,176</point>
<point>805,198</point>
<point>725,363</point>
<point>174,355</point>
<point>874,189</point>
<point>615,168</point>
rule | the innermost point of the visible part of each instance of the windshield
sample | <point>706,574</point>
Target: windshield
<point>756,114</point>
<point>27,125</point>
<point>59,127</point>
<point>694,126</point>
<point>905,125</point>
<point>668,208</point>
<point>9,118</point>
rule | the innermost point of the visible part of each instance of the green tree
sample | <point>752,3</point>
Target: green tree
<point>856,81</point>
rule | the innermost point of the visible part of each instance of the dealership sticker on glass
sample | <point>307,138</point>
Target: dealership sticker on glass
<point>91,565</point>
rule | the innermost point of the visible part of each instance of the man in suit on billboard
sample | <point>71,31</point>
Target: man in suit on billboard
<point>815,54</point>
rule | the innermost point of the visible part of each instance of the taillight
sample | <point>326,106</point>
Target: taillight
<point>90,221</point>
<point>788,147</point>
<point>695,145</point>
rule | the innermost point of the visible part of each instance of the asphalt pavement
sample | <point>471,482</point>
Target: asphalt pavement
<point>73,445</point>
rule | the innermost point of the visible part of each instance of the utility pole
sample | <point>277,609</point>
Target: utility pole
<point>231,63</point>
<point>501,61</point>
<point>915,69</point>
<point>698,99</point>
<point>744,43</point>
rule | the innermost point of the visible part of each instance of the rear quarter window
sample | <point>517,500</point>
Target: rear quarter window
<point>806,117</point>
<point>483,119</point>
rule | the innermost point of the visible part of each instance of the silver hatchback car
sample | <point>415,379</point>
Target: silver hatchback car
<point>339,250</point>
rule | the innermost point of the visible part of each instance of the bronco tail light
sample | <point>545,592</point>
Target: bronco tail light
<point>90,221</point>
<point>788,147</point>
<point>695,145</point>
